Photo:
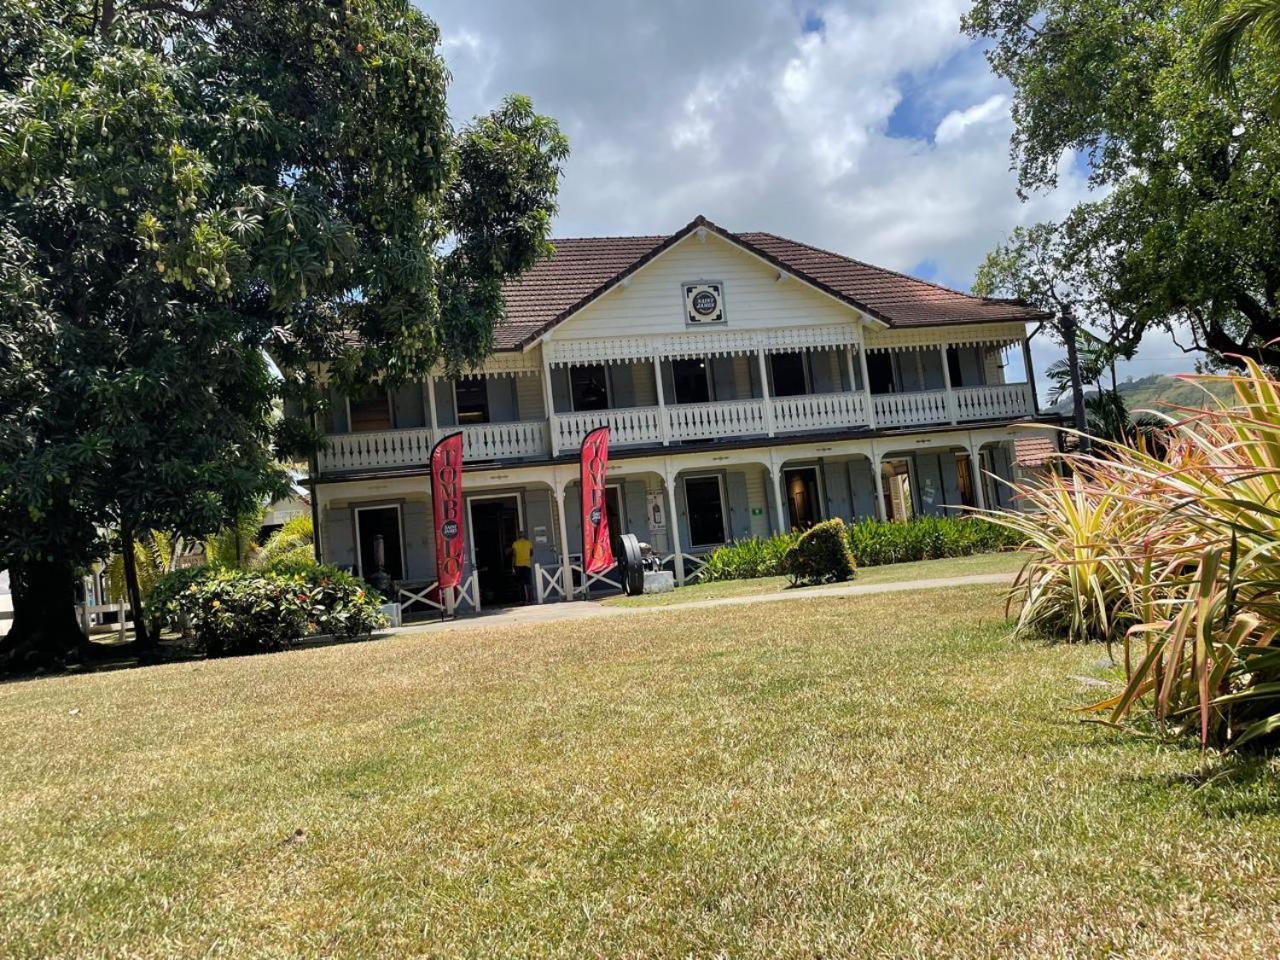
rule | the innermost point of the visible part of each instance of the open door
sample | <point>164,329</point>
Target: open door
<point>495,524</point>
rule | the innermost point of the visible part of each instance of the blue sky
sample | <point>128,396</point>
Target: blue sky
<point>871,128</point>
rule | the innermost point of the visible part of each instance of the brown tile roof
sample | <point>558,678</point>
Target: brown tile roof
<point>1034,451</point>
<point>582,268</point>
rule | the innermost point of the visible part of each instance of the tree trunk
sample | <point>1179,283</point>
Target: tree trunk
<point>140,633</point>
<point>1069,333</point>
<point>45,633</point>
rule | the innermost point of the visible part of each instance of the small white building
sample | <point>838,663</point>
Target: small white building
<point>751,383</point>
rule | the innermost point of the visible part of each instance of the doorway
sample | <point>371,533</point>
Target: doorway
<point>495,523</point>
<point>899,498</point>
<point>704,501</point>
<point>804,498</point>
<point>372,523</point>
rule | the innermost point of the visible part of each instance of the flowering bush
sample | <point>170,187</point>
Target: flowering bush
<point>227,612</point>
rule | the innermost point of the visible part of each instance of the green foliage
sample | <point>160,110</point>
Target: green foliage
<point>872,543</point>
<point>875,542</point>
<point>1187,232</point>
<point>187,188</point>
<point>748,559</point>
<point>229,612</point>
<point>291,546</point>
<point>820,555</point>
<point>1241,27</point>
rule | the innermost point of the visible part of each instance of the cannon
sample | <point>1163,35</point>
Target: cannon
<point>635,561</point>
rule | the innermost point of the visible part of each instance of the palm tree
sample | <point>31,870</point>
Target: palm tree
<point>1236,23</point>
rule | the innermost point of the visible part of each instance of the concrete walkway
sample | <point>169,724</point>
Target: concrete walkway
<point>590,609</point>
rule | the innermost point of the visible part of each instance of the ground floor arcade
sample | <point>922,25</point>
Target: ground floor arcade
<point>683,503</point>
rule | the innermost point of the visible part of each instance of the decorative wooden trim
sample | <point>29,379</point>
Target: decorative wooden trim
<point>933,337</point>
<point>702,343</point>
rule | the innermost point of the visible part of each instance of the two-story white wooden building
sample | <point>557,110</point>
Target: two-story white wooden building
<point>752,384</point>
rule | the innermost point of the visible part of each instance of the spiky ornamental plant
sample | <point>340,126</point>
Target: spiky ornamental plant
<point>185,186</point>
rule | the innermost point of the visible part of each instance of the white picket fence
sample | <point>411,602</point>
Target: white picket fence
<point>466,594</point>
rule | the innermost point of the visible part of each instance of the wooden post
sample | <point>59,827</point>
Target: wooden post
<point>673,525</point>
<point>946,379</point>
<point>866,388</point>
<point>549,401</point>
<point>662,401</point>
<point>431,405</point>
<point>1030,375</point>
<point>878,475</point>
<point>975,467</point>
<point>566,571</point>
<point>764,392</point>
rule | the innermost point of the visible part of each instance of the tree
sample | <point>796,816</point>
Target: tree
<point>1235,25</point>
<point>1185,233</point>
<point>186,187</point>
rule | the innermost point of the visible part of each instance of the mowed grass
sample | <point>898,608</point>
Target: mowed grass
<point>981,563</point>
<point>881,776</point>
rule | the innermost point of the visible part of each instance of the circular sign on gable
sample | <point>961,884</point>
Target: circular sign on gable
<point>705,303</point>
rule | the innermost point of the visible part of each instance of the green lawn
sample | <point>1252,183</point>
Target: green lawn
<point>890,573</point>
<point>879,776</point>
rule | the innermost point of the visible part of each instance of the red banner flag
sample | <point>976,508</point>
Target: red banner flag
<point>597,548</point>
<point>446,508</point>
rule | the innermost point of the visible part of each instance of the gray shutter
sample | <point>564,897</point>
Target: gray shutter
<point>931,362</point>
<point>739,508</point>
<point>668,383</point>
<point>1002,466</point>
<point>541,524</point>
<point>561,395</point>
<point>446,415</point>
<point>573,517</point>
<point>635,506</point>
<point>835,481</point>
<point>419,543</point>
<point>406,406</point>
<point>723,379</point>
<point>863,483</point>
<point>622,384</point>
<point>338,411</point>
<point>929,480</point>
<point>682,511</point>
<point>826,378</point>
<point>769,499</point>
<point>338,541</point>
<point>500,392</point>
<point>951,481</point>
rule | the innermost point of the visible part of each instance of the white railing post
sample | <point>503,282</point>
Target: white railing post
<point>769,423</point>
<point>663,426</point>
<point>946,379</point>
<point>866,388</point>
<point>549,401</point>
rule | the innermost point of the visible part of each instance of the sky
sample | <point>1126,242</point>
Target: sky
<point>873,128</point>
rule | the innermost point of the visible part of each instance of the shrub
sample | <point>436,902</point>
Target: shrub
<point>820,555</point>
<point>877,542</point>
<point>748,559</point>
<point>251,611</point>
<point>291,546</point>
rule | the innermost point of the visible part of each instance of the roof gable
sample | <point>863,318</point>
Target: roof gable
<point>583,269</point>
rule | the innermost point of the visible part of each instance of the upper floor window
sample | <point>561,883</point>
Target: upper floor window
<point>966,366</point>
<point>691,380</point>
<point>880,378</point>
<point>370,409</point>
<point>472,398</point>
<point>589,387</point>
<point>790,374</point>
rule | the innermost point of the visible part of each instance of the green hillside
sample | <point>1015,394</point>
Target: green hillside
<point>1159,392</point>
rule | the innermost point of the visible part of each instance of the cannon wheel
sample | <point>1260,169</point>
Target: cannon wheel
<point>632,565</point>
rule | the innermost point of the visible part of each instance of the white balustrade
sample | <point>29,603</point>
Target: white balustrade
<point>709,421</point>
<point>382,448</point>
<point>819,411</point>
<point>627,426</point>
<point>503,441</point>
<point>993,402</point>
<point>911,409</point>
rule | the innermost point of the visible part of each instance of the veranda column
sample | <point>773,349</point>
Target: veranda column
<point>548,401</point>
<point>566,571</point>
<point>779,503</point>
<point>975,467</point>
<point>1030,375</point>
<point>673,525</point>
<point>764,392</point>
<point>878,475</point>
<point>431,405</point>
<point>866,387</point>
<point>662,401</point>
<point>946,380</point>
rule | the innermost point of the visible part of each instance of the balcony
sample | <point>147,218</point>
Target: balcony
<point>653,426</point>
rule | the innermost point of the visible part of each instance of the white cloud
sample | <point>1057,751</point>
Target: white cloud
<point>954,125</point>
<point>883,135</point>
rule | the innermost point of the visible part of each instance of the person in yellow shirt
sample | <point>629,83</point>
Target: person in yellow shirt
<point>522,563</point>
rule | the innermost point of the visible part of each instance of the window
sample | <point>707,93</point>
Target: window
<point>589,387</point>
<point>370,410</point>
<point>690,380</point>
<point>966,366</point>
<point>964,476</point>
<point>804,501</point>
<point>880,371</point>
<point>704,502</point>
<point>472,399</point>
<point>790,377</point>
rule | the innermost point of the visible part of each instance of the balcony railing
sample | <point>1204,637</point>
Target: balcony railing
<point>644,426</point>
